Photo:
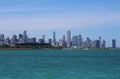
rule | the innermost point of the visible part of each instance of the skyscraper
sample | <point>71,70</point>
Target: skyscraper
<point>7,41</point>
<point>54,39</point>
<point>75,41</point>
<point>50,41</point>
<point>25,36</point>
<point>20,38</point>
<point>64,43</point>
<point>60,42</point>
<point>44,38</point>
<point>14,39</point>
<point>33,40</point>
<point>100,40</point>
<point>88,43</point>
<point>68,39</point>
<point>114,43</point>
<point>2,37</point>
<point>104,44</point>
<point>97,43</point>
<point>80,41</point>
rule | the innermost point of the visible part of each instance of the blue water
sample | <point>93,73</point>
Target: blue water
<point>59,64</point>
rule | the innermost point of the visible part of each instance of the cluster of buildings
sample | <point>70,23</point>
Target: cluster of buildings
<point>67,41</point>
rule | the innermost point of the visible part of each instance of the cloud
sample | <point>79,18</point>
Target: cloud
<point>57,22</point>
<point>14,10</point>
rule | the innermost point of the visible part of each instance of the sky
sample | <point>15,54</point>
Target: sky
<point>90,18</point>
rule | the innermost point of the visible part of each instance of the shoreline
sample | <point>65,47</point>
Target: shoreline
<point>58,49</point>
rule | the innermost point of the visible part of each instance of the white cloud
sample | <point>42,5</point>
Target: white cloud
<point>57,22</point>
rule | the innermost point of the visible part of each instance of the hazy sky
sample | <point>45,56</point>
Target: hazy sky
<point>91,18</point>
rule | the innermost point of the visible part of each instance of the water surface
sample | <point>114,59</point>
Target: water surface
<point>59,64</point>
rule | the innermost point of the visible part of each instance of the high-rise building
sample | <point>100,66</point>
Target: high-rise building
<point>7,41</point>
<point>50,41</point>
<point>54,37</point>
<point>88,43</point>
<point>33,40</point>
<point>20,37</point>
<point>2,37</point>
<point>104,44</point>
<point>94,44</point>
<point>41,41</point>
<point>14,39</point>
<point>60,42</point>
<point>25,36</point>
<point>63,39</point>
<point>75,41</point>
<point>80,41</point>
<point>114,43</point>
<point>68,39</point>
<point>97,43</point>
<point>100,40</point>
<point>44,38</point>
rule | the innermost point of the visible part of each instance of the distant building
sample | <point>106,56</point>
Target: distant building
<point>7,41</point>
<point>68,39</point>
<point>33,40</point>
<point>50,41</point>
<point>14,39</point>
<point>114,43</point>
<point>54,38</point>
<point>88,43</point>
<point>2,38</point>
<point>100,40</point>
<point>41,41</point>
<point>97,43</point>
<point>20,37</point>
<point>94,44</point>
<point>75,41</point>
<point>63,39</point>
<point>25,36</point>
<point>104,44</point>
<point>44,38</point>
<point>80,41</point>
<point>60,42</point>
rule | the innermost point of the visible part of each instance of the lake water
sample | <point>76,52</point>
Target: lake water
<point>59,64</point>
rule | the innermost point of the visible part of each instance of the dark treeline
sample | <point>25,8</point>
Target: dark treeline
<point>31,46</point>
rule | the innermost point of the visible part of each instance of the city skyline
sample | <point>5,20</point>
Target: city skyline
<point>67,40</point>
<point>89,18</point>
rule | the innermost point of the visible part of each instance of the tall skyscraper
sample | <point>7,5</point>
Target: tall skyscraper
<point>20,38</point>
<point>25,36</point>
<point>75,41</point>
<point>100,40</point>
<point>68,39</point>
<point>14,39</point>
<point>114,43</point>
<point>44,38</point>
<point>104,44</point>
<point>88,43</point>
<point>80,41</point>
<point>7,41</point>
<point>50,41</point>
<point>60,42</point>
<point>64,43</point>
<point>33,40</point>
<point>2,37</point>
<point>54,39</point>
<point>97,43</point>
